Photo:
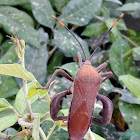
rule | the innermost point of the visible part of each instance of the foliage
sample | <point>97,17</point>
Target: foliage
<point>50,46</point>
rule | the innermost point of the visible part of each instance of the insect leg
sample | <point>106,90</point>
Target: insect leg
<point>55,105</point>
<point>106,112</point>
<point>99,68</point>
<point>106,75</point>
<point>79,58</point>
<point>61,72</point>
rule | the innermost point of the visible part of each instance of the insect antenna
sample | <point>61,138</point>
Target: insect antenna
<point>72,35</point>
<point>106,35</point>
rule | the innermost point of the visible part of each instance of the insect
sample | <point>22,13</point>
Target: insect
<point>85,92</point>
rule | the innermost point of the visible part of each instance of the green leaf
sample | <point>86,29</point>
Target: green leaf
<point>59,4</point>
<point>9,57</point>
<point>16,70</point>
<point>8,85</point>
<point>130,7</point>
<point>132,84</point>
<point>115,1</point>
<point>66,42</point>
<point>32,91</point>
<point>7,121</point>
<point>57,134</point>
<point>130,135</point>
<point>43,12</point>
<point>12,2</point>
<point>59,85</point>
<point>36,126</point>
<point>98,137</point>
<point>55,62</point>
<point>1,38</point>
<point>131,114</point>
<point>80,12</point>
<point>38,64</point>
<point>71,68</point>
<point>40,106</point>
<point>126,96</point>
<point>20,103</point>
<point>14,21</point>
<point>106,131</point>
<point>137,51</point>
<point>4,104</point>
<point>119,26</point>
<point>17,15</point>
<point>94,29</point>
<point>121,65</point>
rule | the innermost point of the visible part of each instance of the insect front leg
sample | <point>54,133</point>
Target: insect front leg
<point>106,112</point>
<point>101,67</point>
<point>106,75</point>
<point>61,72</point>
<point>55,105</point>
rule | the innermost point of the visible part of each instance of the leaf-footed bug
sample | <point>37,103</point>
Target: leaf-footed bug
<point>85,92</point>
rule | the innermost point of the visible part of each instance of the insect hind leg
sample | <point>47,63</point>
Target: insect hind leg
<point>106,112</point>
<point>55,105</point>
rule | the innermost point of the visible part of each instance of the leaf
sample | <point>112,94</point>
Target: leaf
<point>94,29</point>
<point>106,131</point>
<point>12,2</point>
<point>17,15</point>
<point>40,106</point>
<point>115,1</point>
<point>8,85</point>
<point>71,68</point>
<point>130,7</point>
<point>7,121</point>
<point>80,12</point>
<point>130,135</point>
<point>38,64</point>
<point>9,57</point>
<point>126,96</point>
<point>57,135</point>
<point>65,41</point>
<point>131,114</point>
<point>36,126</point>
<point>59,85</point>
<point>119,64</point>
<point>55,62</point>
<point>4,104</point>
<point>119,26</point>
<point>42,11</point>
<point>42,93</point>
<point>20,103</point>
<point>32,91</point>
<point>20,25</point>
<point>16,70</point>
<point>59,4</point>
<point>137,51</point>
<point>132,84</point>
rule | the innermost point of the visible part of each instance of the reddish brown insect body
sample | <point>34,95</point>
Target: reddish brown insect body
<point>85,91</point>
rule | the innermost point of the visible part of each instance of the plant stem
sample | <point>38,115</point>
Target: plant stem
<point>48,98</point>
<point>52,51</point>
<point>42,134</point>
<point>12,108</point>
<point>129,40</point>
<point>25,88</point>
<point>23,128</point>
<point>52,129</point>
<point>128,53</point>
<point>99,18</point>
<point>44,117</point>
